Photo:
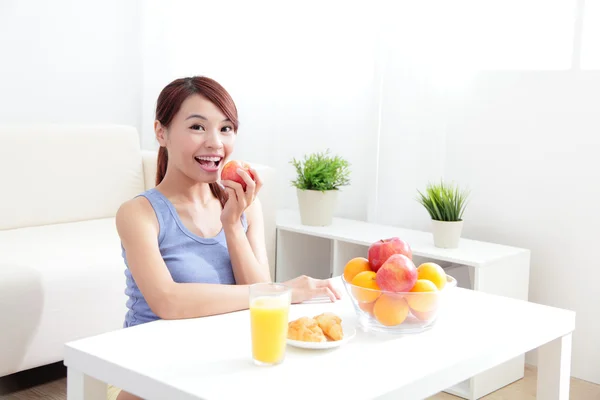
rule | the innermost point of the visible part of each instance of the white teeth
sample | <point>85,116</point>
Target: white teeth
<point>215,159</point>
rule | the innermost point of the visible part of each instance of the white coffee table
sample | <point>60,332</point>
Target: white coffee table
<point>209,358</point>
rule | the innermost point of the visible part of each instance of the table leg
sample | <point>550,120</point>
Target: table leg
<point>83,387</point>
<point>554,369</point>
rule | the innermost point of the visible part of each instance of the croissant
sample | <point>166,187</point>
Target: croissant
<point>305,329</point>
<point>331,325</point>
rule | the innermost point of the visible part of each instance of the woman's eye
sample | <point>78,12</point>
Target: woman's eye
<point>227,129</point>
<point>197,127</point>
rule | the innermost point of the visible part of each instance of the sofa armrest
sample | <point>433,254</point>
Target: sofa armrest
<point>149,165</point>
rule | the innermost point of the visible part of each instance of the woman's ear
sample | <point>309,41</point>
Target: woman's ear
<point>161,133</point>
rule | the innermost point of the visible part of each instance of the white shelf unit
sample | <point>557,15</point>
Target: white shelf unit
<point>322,252</point>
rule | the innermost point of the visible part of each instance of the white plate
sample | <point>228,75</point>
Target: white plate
<point>349,333</point>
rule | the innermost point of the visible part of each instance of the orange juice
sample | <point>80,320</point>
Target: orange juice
<point>269,325</point>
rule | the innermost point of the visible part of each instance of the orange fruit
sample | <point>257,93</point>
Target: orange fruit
<point>365,280</point>
<point>390,310</point>
<point>432,272</point>
<point>424,316</point>
<point>367,307</point>
<point>355,266</point>
<point>425,296</point>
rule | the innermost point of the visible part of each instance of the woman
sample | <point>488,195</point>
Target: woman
<point>192,246</point>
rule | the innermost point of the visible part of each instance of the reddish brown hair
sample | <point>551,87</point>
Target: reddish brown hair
<point>168,104</point>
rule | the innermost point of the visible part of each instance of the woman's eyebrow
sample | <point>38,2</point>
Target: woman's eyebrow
<point>197,116</point>
<point>204,118</point>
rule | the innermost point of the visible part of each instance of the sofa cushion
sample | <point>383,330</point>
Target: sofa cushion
<point>57,283</point>
<point>67,173</point>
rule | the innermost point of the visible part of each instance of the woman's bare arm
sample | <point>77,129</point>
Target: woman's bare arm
<point>138,229</point>
<point>248,249</point>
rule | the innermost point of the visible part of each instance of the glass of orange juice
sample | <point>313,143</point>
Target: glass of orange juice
<point>269,308</point>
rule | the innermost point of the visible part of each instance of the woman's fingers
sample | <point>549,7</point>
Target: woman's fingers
<point>257,180</point>
<point>246,177</point>
<point>239,192</point>
<point>325,291</point>
<point>250,191</point>
<point>328,284</point>
<point>231,195</point>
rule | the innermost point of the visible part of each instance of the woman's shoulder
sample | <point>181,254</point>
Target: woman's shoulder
<point>138,206</point>
<point>141,206</point>
<point>135,214</point>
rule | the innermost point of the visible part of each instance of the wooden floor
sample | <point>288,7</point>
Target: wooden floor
<point>49,383</point>
<point>525,389</point>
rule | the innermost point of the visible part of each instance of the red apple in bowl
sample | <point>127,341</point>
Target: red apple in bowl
<point>229,172</point>
<point>397,274</point>
<point>381,250</point>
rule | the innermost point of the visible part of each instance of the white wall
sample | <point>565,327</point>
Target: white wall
<point>527,145</point>
<point>299,85</point>
<point>70,61</point>
<point>412,137</point>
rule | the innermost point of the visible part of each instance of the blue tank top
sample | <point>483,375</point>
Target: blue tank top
<point>188,257</point>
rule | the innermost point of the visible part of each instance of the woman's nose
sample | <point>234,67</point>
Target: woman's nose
<point>214,141</point>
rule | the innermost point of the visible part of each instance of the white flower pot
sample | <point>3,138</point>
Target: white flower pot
<point>316,207</point>
<point>446,234</point>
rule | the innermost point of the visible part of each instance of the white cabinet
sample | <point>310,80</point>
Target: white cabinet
<point>322,252</point>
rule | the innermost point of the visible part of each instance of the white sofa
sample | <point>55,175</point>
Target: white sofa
<point>61,270</point>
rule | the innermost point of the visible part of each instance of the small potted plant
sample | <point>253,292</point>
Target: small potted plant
<point>318,179</point>
<point>445,204</point>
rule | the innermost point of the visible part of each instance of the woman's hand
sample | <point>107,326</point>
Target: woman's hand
<point>306,288</point>
<point>239,199</point>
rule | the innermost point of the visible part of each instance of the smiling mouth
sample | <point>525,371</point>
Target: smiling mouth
<point>209,162</point>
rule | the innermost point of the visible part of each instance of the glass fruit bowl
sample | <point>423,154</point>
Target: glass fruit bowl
<point>397,312</point>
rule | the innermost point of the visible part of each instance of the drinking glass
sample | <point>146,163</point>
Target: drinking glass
<point>269,309</point>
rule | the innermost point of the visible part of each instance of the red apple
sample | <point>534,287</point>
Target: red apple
<point>229,172</point>
<point>381,250</point>
<point>397,274</point>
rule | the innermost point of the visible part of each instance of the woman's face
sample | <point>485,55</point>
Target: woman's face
<point>199,139</point>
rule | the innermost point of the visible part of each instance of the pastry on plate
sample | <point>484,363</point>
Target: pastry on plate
<point>331,325</point>
<point>305,329</point>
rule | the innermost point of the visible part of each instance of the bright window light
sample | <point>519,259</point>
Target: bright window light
<point>486,34</point>
<point>590,44</point>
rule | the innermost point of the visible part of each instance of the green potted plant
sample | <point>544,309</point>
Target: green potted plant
<point>318,179</point>
<point>445,204</point>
